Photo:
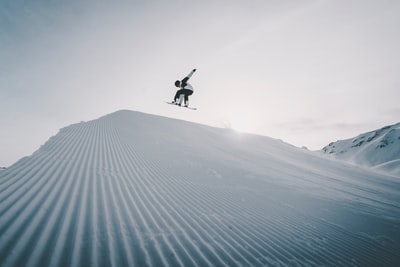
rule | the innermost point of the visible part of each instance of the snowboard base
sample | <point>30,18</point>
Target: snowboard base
<point>181,106</point>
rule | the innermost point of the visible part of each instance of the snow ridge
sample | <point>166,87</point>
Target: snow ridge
<point>379,149</point>
<point>131,189</point>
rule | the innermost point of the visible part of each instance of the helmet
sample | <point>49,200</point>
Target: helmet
<point>178,83</point>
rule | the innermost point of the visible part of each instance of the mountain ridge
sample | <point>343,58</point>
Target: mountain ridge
<point>379,149</point>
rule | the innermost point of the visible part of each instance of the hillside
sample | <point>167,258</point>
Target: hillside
<point>379,149</point>
<point>132,189</point>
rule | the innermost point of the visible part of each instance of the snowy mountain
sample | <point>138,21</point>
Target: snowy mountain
<point>379,149</point>
<point>132,189</point>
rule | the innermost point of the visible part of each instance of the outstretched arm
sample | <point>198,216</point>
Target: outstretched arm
<point>188,76</point>
<point>191,73</point>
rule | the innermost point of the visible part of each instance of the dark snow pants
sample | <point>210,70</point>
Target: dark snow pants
<point>185,92</point>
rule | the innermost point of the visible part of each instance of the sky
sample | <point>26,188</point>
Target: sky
<point>307,72</point>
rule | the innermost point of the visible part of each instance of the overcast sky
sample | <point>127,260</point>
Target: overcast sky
<point>306,72</point>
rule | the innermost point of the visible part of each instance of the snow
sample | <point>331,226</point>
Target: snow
<point>132,189</point>
<point>379,149</point>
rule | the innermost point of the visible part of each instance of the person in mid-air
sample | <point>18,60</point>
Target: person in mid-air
<point>185,90</point>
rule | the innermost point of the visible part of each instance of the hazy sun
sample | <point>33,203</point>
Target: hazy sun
<point>242,122</point>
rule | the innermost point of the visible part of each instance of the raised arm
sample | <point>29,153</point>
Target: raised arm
<point>191,73</point>
<point>188,76</point>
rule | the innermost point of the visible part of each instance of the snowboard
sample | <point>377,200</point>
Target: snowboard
<point>180,106</point>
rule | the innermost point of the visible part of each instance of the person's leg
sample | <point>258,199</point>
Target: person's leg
<point>181,97</point>
<point>178,93</point>
<point>187,94</point>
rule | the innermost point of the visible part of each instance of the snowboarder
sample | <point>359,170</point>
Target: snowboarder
<point>185,90</point>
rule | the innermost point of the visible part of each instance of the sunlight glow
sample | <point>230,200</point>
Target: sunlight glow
<point>242,122</point>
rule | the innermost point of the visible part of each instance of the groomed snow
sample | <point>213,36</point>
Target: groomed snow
<point>132,189</point>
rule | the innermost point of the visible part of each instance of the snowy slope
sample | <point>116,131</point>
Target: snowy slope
<point>131,189</point>
<point>379,149</point>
